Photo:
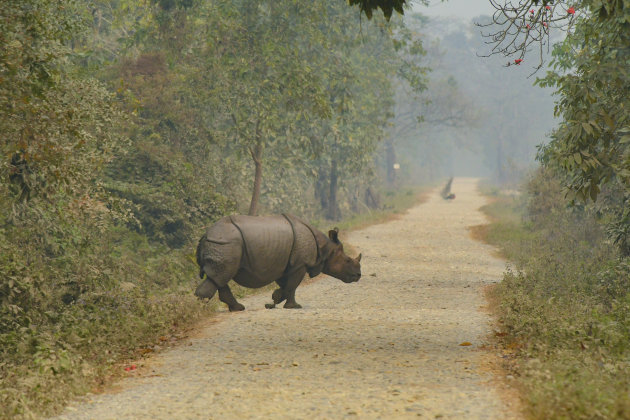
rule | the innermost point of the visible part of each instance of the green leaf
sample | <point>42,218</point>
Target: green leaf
<point>587,127</point>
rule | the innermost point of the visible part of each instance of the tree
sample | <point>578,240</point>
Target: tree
<point>591,147</point>
<point>261,83</point>
<point>589,150</point>
<point>355,70</point>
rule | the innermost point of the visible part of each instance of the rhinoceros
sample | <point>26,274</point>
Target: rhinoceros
<point>258,250</point>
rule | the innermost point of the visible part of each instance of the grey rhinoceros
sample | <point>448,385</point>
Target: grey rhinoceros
<point>258,250</point>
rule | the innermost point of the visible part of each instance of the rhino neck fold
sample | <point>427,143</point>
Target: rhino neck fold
<point>316,268</point>
<point>319,260</point>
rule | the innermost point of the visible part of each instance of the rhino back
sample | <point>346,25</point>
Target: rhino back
<point>268,243</point>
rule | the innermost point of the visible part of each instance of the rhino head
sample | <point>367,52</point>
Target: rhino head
<point>338,264</point>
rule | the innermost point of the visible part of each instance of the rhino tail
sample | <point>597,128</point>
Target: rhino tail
<point>199,257</point>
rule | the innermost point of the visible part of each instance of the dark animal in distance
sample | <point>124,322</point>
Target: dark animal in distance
<point>257,250</point>
<point>446,191</point>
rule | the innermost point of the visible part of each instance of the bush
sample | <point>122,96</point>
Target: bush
<point>565,305</point>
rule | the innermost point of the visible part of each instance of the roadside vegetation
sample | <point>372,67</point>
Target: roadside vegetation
<point>564,305</point>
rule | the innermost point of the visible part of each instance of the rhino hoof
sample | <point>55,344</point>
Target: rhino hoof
<point>293,305</point>
<point>270,305</point>
<point>236,308</point>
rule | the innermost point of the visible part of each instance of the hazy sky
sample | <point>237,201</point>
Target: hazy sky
<point>465,9</point>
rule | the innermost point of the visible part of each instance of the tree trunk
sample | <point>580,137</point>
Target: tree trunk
<point>372,199</point>
<point>256,153</point>
<point>390,151</point>
<point>333,208</point>
<point>322,187</point>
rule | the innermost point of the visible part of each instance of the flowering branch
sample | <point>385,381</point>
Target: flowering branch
<point>520,27</point>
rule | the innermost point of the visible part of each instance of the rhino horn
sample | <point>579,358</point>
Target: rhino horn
<point>359,258</point>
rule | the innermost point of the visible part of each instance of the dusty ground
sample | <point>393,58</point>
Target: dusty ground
<point>388,346</point>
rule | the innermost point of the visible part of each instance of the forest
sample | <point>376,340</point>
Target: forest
<point>128,126</point>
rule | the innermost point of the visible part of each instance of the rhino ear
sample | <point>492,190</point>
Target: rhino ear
<point>359,258</point>
<point>332,234</point>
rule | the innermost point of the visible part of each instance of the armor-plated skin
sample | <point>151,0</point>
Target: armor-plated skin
<point>257,250</point>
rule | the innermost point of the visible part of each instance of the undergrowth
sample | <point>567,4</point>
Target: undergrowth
<point>564,304</point>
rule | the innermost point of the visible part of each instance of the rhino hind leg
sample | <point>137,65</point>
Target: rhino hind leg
<point>206,289</point>
<point>226,296</point>
<point>215,279</point>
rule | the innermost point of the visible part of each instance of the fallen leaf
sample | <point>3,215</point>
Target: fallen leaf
<point>466,343</point>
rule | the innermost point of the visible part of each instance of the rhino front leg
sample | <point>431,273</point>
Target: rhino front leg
<point>291,303</point>
<point>293,281</point>
<point>226,296</point>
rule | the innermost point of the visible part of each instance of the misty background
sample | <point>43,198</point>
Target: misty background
<point>481,117</point>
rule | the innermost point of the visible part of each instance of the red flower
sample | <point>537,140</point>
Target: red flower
<point>518,61</point>
<point>571,11</point>
<point>548,7</point>
<point>528,27</point>
<point>531,11</point>
<point>545,24</point>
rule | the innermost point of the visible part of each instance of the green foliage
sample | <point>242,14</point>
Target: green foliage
<point>56,128</point>
<point>592,77</point>
<point>564,304</point>
<point>387,6</point>
<point>169,202</point>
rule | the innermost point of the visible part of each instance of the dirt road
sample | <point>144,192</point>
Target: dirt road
<point>385,347</point>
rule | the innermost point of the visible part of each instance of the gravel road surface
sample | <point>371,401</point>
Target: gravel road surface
<point>386,347</point>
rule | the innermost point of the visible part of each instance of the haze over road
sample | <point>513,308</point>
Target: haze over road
<point>385,347</point>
